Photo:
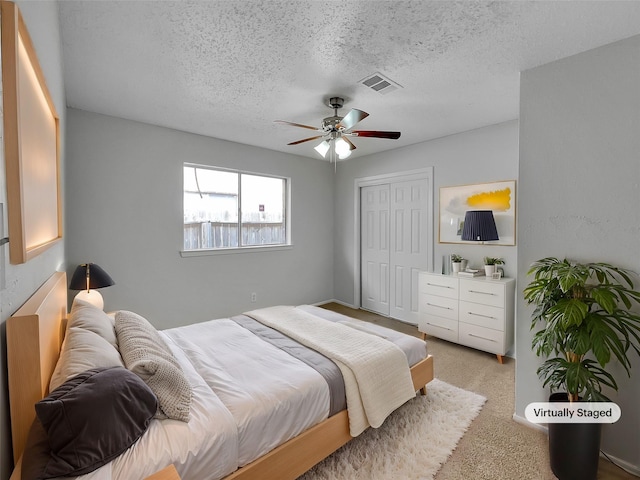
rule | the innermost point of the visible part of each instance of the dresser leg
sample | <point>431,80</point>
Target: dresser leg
<point>500,359</point>
<point>423,335</point>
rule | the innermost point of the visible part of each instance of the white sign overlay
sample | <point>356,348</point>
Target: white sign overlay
<point>572,412</point>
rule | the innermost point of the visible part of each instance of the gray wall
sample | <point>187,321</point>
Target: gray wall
<point>124,210</point>
<point>18,282</point>
<point>484,155</point>
<point>579,194</point>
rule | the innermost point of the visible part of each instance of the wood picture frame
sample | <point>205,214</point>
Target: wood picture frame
<point>499,197</point>
<point>31,144</point>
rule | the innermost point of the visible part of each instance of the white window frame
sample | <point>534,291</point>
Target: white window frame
<point>248,248</point>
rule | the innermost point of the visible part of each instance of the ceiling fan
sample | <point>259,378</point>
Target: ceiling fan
<point>336,130</point>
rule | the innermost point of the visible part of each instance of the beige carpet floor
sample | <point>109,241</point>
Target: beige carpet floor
<point>495,446</point>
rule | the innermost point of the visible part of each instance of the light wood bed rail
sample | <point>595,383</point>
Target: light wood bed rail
<point>34,337</point>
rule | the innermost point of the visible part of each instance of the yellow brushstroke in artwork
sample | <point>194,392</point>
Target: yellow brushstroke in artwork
<point>498,200</point>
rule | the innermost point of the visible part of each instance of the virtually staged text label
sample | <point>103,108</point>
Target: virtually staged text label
<point>576,412</point>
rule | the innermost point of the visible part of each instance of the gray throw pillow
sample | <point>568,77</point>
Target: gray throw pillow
<point>89,420</point>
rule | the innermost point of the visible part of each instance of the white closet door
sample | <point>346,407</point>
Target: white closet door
<point>374,248</point>
<point>408,244</point>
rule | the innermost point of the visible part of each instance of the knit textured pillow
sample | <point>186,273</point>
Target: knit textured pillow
<point>147,355</point>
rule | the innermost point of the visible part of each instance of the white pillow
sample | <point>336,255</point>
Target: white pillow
<point>90,317</point>
<point>147,355</point>
<point>89,342</point>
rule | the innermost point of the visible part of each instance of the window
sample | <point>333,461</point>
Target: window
<point>226,209</point>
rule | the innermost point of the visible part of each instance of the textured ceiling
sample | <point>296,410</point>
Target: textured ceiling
<point>228,69</point>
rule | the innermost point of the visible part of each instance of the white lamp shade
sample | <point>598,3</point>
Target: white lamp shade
<point>344,155</point>
<point>322,148</point>
<point>342,148</point>
<point>91,296</point>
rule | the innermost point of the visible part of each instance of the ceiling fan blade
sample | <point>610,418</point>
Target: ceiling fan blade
<point>351,118</point>
<point>376,134</point>
<point>297,125</point>
<point>305,140</point>
<point>351,145</point>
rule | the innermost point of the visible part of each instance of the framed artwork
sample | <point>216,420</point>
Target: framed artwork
<point>31,144</point>
<point>499,197</point>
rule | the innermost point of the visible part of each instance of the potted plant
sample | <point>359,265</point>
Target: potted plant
<point>456,261</point>
<point>490,265</point>
<point>583,313</point>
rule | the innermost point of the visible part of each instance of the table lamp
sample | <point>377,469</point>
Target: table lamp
<point>87,278</point>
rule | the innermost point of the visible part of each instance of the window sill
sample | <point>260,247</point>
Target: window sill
<point>230,251</point>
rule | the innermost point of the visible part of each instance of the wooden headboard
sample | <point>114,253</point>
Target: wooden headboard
<point>34,337</point>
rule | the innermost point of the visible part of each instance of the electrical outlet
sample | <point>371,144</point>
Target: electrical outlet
<point>254,296</point>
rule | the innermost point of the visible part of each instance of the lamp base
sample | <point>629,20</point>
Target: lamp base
<point>91,296</point>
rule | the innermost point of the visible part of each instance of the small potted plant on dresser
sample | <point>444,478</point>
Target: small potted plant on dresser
<point>584,311</point>
<point>456,262</point>
<point>491,265</point>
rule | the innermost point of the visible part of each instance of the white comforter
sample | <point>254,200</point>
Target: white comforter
<point>272,396</point>
<point>248,397</point>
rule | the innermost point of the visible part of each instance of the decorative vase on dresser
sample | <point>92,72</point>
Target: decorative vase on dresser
<point>477,312</point>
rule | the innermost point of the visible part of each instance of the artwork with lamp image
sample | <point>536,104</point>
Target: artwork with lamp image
<point>87,278</point>
<point>479,213</point>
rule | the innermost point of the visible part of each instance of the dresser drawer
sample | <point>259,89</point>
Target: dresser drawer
<point>440,285</point>
<point>482,315</point>
<point>486,292</point>
<point>481,338</point>
<point>440,327</point>
<point>440,306</point>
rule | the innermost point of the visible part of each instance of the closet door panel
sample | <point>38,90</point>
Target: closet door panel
<point>408,204</point>
<point>374,248</point>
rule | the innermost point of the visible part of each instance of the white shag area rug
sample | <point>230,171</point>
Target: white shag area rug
<point>413,442</point>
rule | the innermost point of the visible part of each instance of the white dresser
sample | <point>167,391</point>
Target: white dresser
<point>477,312</point>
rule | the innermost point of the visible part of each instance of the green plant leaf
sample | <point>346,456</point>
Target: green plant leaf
<point>605,298</point>
<point>578,341</point>
<point>598,335</point>
<point>570,311</point>
<point>570,275</point>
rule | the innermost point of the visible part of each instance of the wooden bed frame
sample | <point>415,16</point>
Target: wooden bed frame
<point>34,337</point>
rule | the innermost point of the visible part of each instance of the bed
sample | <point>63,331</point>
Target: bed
<point>35,335</point>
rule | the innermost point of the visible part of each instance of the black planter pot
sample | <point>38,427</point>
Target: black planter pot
<point>574,448</point>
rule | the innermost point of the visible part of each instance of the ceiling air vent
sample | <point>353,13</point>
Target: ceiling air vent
<point>380,83</point>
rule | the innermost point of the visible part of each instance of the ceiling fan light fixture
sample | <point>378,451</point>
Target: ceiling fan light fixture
<point>322,148</point>
<point>336,131</point>
<point>342,148</point>
<point>342,156</point>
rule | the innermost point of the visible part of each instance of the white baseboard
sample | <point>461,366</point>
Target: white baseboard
<point>628,467</point>
<point>333,300</point>
<point>527,423</point>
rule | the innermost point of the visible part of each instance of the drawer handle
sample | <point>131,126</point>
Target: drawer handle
<point>482,338</point>
<point>439,306</point>
<point>483,316</point>
<point>438,326</point>
<point>484,293</point>
<point>436,285</point>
